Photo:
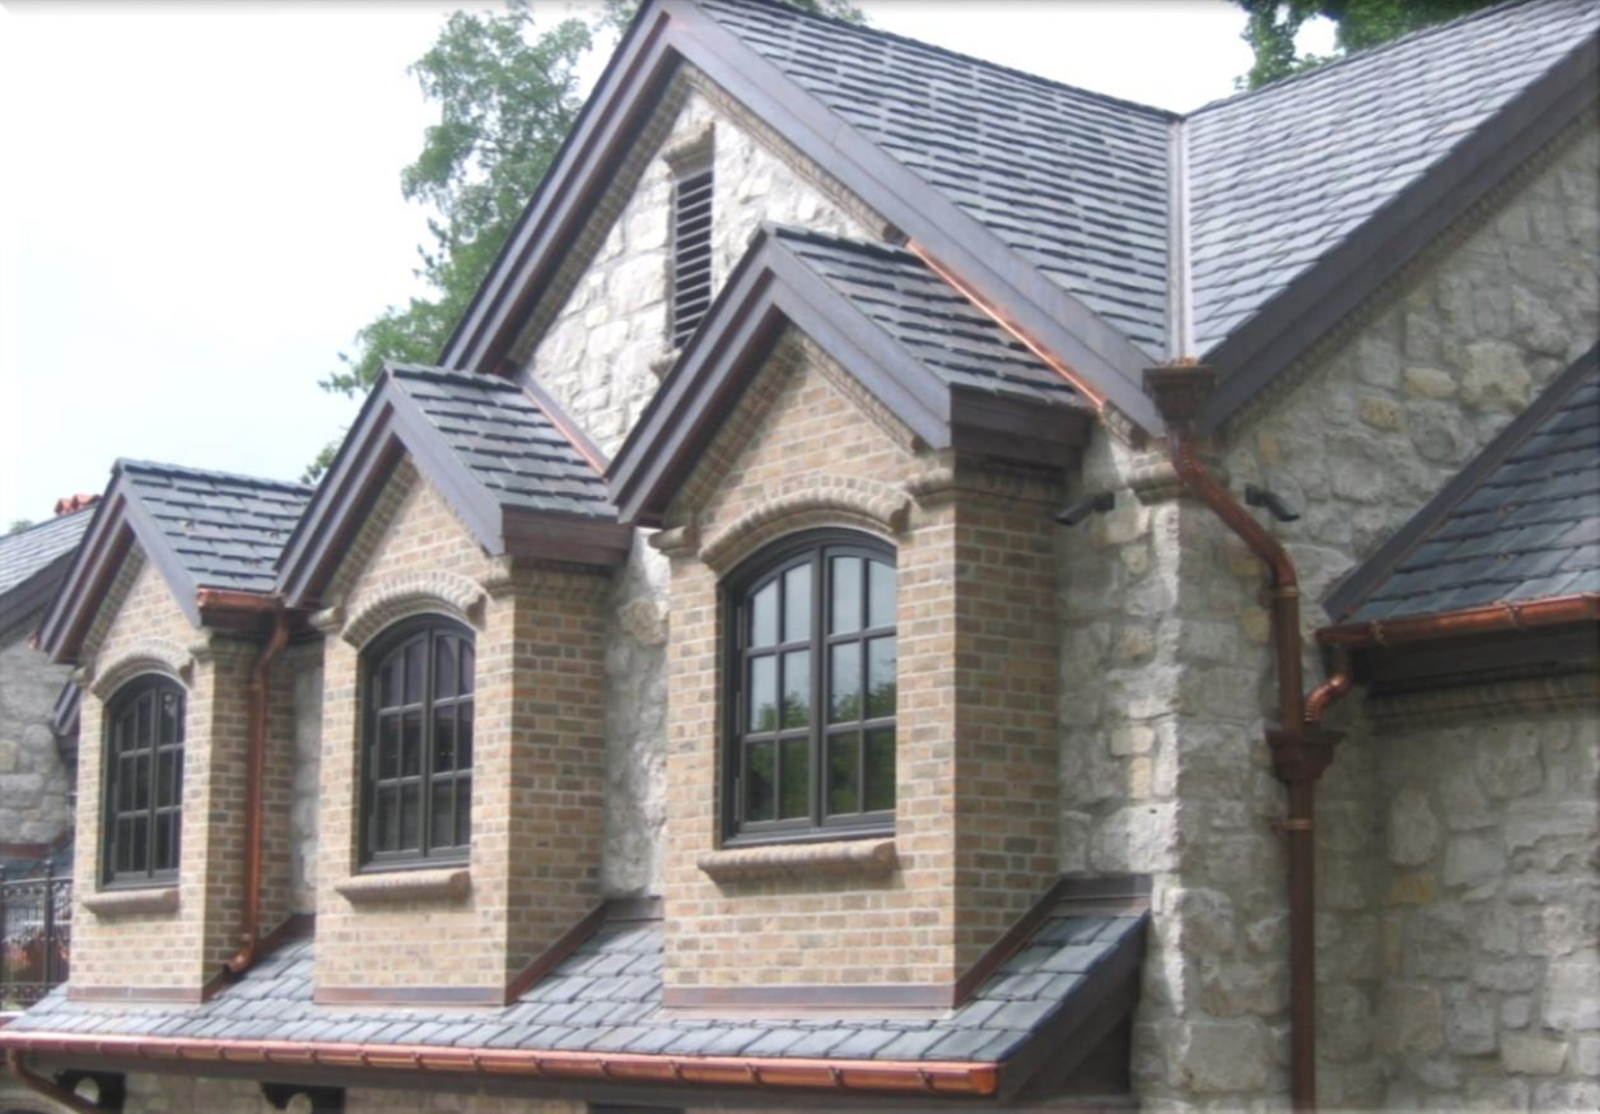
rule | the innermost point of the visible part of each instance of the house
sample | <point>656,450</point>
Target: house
<point>839,629</point>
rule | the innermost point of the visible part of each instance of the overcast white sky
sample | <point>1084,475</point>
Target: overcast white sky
<point>199,203</point>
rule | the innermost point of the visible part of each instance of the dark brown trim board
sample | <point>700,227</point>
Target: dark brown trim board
<point>671,31</point>
<point>769,291</point>
<point>1257,352</point>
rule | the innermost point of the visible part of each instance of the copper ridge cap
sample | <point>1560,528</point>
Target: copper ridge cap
<point>925,1077</point>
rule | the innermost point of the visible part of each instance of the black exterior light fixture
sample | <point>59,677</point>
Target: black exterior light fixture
<point>1260,497</point>
<point>1083,508</point>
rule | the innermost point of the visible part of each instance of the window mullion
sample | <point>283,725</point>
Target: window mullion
<point>819,669</point>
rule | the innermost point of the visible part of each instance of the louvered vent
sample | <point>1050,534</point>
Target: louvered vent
<point>691,254</point>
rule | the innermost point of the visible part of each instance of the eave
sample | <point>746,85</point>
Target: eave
<point>768,292</point>
<point>674,31</point>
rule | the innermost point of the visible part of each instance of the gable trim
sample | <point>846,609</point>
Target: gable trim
<point>1260,350</point>
<point>676,30</point>
<point>1353,589</point>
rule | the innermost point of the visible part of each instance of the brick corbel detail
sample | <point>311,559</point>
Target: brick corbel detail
<point>415,594</point>
<point>831,501</point>
<point>147,655</point>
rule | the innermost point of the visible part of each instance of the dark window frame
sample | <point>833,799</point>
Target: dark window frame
<point>689,277</point>
<point>377,655</point>
<point>121,716</point>
<point>816,548</point>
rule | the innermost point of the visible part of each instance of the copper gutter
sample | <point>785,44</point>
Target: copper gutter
<point>39,1085</point>
<point>1301,750</point>
<point>1580,608</point>
<point>941,1077</point>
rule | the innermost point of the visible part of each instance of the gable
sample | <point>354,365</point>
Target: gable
<point>140,608</point>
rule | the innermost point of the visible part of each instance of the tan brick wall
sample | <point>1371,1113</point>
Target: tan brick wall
<point>976,799</point>
<point>538,758</point>
<point>179,949</point>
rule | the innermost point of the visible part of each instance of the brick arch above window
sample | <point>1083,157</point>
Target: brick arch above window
<point>436,592</point>
<point>147,655</point>
<point>874,508</point>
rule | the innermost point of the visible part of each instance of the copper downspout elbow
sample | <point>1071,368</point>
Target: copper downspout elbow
<point>39,1085</point>
<point>1337,684</point>
<point>260,689</point>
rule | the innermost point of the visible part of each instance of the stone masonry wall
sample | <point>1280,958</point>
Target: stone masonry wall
<point>974,824</point>
<point>538,752</point>
<point>1166,665</point>
<point>601,354</point>
<point>34,781</point>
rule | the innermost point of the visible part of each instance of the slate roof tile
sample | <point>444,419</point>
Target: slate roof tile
<point>1520,522</point>
<point>31,551</point>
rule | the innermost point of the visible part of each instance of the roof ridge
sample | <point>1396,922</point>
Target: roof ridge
<point>875,32</point>
<point>43,524</point>
<point>127,464</point>
<point>1344,60</point>
<point>434,371</point>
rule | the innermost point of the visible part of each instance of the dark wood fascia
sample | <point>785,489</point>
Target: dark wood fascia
<point>1480,660</point>
<point>623,100</point>
<point>1106,996</point>
<point>1352,591</point>
<point>94,567</point>
<point>1044,310</point>
<point>1018,430</point>
<point>563,537</point>
<point>1346,276</point>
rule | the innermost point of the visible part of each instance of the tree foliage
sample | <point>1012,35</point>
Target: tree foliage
<point>1359,24</point>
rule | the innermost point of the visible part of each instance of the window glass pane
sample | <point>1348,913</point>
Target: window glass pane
<point>465,655</point>
<point>389,681</point>
<point>443,830</point>
<point>797,688</point>
<point>764,616</point>
<point>880,677</point>
<point>388,747</point>
<point>797,603</point>
<point>177,841</point>
<point>844,683</point>
<point>444,740</point>
<point>878,792</point>
<point>416,655</point>
<point>171,728</point>
<point>139,850</point>
<point>845,598</point>
<point>464,736</point>
<point>411,745</point>
<point>463,811</point>
<point>140,772</point>
<point>763,694</point>
<point>124,856</point>
<point>844,773</point>
<point>880,594</point>
<point>446,670</point>
<point>127,775</point>
<point>759,799</point>
<point>165,825</point>
<point>410,817</point>
<point>167,777</point>
<point>142,712</point>
<point>796,778</point>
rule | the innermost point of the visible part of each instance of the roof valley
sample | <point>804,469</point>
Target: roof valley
<point>1180,292</point>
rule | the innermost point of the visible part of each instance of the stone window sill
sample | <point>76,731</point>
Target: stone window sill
<point>448,884</point>
<point>788,860</point>
<point>126,903</point>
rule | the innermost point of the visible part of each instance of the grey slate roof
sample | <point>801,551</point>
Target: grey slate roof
<point>506,440</point>
<point>1279,176</point>
<point>1521,522</point>
<point>226,530</point>
<point>937,325</point>
<point>1074,181</point>
<point>30,551</point>
<point>1082,185</point>
<point>606,996</point>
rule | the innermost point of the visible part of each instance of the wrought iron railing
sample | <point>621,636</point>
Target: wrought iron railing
<point>35,935</point>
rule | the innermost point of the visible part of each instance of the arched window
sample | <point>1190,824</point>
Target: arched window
<point>143,780</point>
<point>417,765</point>
<point>811,690</point>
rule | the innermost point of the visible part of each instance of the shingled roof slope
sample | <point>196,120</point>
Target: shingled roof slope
<point>506,440</point>
<point>1280,175</point>
<point>1075,182</point>
<point>226,530</point>
<point>29,551</point>
<point>1521,522</point>
<point>959,345</point>
<point>606,996</point>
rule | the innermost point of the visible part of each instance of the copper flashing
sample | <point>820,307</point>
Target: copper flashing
<point>1490,618</point>
<point>943,1077</point>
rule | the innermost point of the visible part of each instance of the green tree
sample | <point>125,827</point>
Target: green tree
<point>1273,24</point>
<point>18,525</point>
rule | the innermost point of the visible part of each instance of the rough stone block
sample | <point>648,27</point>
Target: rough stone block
<point>1525,1055</point>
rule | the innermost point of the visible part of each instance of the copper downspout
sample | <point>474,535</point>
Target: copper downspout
<point>39,1085</point>
<point>256,756</point>
<point>1301,751</point>
<point>943,1077</point>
